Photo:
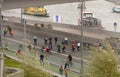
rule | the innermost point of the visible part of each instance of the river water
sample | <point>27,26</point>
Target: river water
<point>69,13</point>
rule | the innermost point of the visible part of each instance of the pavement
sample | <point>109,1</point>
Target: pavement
<point>55,59</point>
<point>51,64</point>
<point>63,28</point>
<point>19,36</point>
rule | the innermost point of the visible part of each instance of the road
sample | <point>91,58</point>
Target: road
<point>19,34</point>
<point>55,58</point>
<point>67,28</point>
<point>70,15</point>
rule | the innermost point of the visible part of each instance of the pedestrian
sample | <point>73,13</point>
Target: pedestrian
<point>100,45</point>
<point>73,48</point>
<point>42,59</point>
<point>2,17</point>
<point>78,46</point>
<point>11,32</point>
<point>69,58</point>
<point>50,48</point>
<point>66,40</point>
<point>66,72</point>
<point>42,49</point>
<point>55,40</point>
<point>50,43</point>
<point>5,31</point>
<point>73,42</point>
<point>6,45</point>
<point>19,50</point>
<point>8,27</point>
<point>61,69</point>
<point>63,48</point>
<point>20,47</point>
<point>66,65</point>
<point>58,48</point>
<point>47,49</point>
<point>35,40</point>
<point>29,47</point>
<point>63,41</point>
<point>45,40</point>
<point>42,25</point>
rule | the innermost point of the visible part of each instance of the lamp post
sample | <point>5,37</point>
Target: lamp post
<point>21,15</point>
<point>0,24</point>
<point>24,23</point>
<point>80,7</point>
<point>1,64</point>
<point>1,54</point>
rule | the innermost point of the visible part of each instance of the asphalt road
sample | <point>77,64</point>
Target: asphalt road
<point>73,29</point>
<point>58,58</point>
<point>19,35</point>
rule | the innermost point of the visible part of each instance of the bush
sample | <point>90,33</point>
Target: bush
<point>103,63</point>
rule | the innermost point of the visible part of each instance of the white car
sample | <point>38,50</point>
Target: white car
<point>116,9</point>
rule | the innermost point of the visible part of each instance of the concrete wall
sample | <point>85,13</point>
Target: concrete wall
<point>18,73</point>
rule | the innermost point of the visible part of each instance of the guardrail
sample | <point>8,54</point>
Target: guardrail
<point>17,73</point>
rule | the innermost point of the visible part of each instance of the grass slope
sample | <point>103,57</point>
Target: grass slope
<point>28,70</point>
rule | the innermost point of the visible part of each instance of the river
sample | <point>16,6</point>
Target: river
<point>69,13</point>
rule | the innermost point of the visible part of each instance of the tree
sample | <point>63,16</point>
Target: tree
<point>103,62</point>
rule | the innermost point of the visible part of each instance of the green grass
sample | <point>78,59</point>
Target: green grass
<point>33,61</point>
<point>28,70</point>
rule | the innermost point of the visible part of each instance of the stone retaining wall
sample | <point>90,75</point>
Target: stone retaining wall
<point>17,73</point>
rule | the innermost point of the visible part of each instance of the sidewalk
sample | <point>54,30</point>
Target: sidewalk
<point>51,65</point>
<point>53,60</point>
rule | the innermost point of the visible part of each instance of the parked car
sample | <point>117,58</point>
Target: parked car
<point>116,9</point>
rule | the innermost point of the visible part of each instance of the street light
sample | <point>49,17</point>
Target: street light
<point>21,15</point>
<point>1,54</point>
<point>24,23</point>
<point>1,64</point>
<point>80,7</point>
<point>0,24</point>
